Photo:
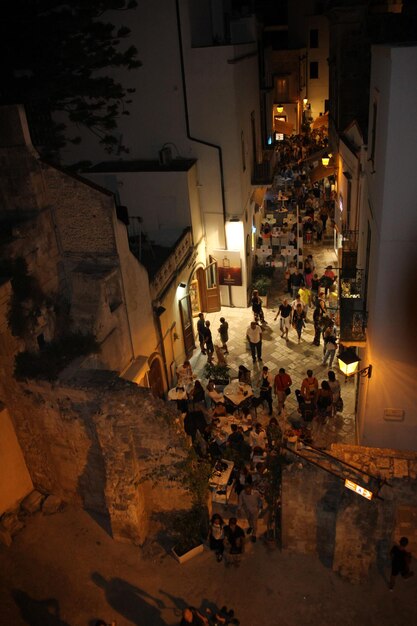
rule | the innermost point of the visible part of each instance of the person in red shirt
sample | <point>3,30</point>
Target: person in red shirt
<point>282,383</point>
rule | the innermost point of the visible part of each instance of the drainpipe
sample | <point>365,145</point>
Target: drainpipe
<point>196,139</point>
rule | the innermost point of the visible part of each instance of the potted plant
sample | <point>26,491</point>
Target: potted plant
<point>261,280</point>
<point>217,373</point>
<point>190,527</point>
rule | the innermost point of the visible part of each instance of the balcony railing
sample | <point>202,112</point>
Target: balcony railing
<point>353,316</point>
<point>263,173</point>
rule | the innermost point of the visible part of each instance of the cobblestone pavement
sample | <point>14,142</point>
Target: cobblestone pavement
<point>295,358</point>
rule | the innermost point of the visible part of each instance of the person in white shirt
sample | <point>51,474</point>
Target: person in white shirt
<point>258,438</point>
<point>250,503</point>
<point>254,335</point>
<point>214,395</point>
<point>185,374</point>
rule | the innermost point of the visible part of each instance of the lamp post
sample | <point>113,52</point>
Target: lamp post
<point>325,159</point>
<point>348,364</point>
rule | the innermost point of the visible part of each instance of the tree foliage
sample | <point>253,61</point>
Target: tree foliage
<point>55,57</point>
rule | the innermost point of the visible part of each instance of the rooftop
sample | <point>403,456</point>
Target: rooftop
<point>140,165</point>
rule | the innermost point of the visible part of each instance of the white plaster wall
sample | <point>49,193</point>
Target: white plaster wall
<point>392,302</point>
<point>161,199</point>
<point>137,297</point>
<point>318,88</point>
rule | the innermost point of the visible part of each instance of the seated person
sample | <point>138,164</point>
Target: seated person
<point>257,437</point>
<point>197,394</point>
<point>214,395</point>
<point>184,374</point>
<point>244,375</point>
<point>219,410</point>
<point>235,439</point>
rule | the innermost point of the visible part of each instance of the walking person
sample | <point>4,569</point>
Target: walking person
<point>400,562</point>
<point>298,320</point>
<point>201,326</point>
<point>285,313</point>
<point>330,347</point>
<point>296,281</point>
<point>266,388</point>
<point>334,384</point>
<point>250,503</point>
<point>216,536</point>
<point>254,335</point>
<point>208,342</point>
<point>224,334</point>
<point>282,384</point>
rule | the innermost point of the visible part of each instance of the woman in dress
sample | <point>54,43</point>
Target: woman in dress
<point>216,536</point>
<point>298,320</point>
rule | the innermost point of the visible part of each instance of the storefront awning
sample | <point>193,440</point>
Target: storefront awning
<point>258,195</point>
<point>285,128</point>
<point>321,172</point>
<point>321,121</point>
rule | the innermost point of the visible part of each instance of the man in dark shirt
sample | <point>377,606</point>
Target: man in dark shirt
<point>200,329</point>
<point>285,311</point>
<point>235,439</point>
<point>400,562</point>
<point>235,536</point>
<point>296,281</point>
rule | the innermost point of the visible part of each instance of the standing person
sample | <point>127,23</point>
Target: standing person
<point>324,401</point>
<point>224,334</point>
<point>254,335</point>
<point>285,313</point>
<point>308,270</point>
<point>324,214</point>
<point>208,341</point>
<point>266,388</point>
<point>282,384</point>
<point>315,286</point>
<point>216,536</point>
<point>257,306</point>
<point>305,297</point>
<point>400,562</point>
<point>298,320</point>
<point>318,316</point>
<point>330,347</point>
<point>250,503</point>
<point>235,537</point>
<point>201,326</point>
<point>335,387</point>
<point>310,387</point>
<point>296,281</point>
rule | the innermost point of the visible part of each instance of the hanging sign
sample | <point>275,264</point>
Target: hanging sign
<point>229,267</point>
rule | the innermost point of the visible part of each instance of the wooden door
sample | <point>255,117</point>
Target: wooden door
<point>156,379</point>
<point>209,288</point>
<point>187,325</point>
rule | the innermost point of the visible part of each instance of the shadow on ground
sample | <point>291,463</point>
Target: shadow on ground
<point>38,612</point>
<point>131,602</point>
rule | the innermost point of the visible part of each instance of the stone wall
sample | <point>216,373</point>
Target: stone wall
<point>15,482</point>
<point>348,532</point>
<point>97,440</point>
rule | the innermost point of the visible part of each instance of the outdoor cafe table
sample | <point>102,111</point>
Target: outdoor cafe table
<point>222,432</point>
<point>237,392</point>
<point>177,393</point>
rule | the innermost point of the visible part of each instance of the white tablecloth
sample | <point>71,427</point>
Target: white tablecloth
<point>237,392</point>
<point>177,394</point>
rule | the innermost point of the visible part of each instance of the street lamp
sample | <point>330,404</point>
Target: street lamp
<point>348,363</point>
<point>325,159</point>
<point>280,108</point>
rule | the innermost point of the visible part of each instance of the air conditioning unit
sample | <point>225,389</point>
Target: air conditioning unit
<point>165,156</point>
